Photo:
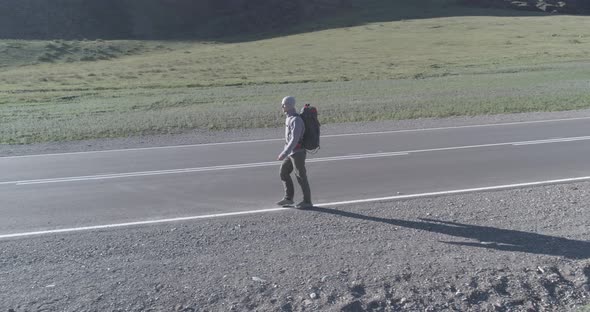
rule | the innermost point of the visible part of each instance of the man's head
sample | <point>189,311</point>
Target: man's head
<point>288,103</point>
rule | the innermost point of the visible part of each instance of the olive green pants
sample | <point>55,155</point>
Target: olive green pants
<point>295,162</point>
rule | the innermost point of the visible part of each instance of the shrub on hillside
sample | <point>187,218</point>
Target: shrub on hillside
<point>551,6</point>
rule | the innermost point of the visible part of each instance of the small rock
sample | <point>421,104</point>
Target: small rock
<point>553,277</point>
<point>258,279</point>
<point>586,287</point>
<point>307,302</point>
<point>213,298</point>
<point>287,307</point>
<point>313,295</point>
<point>408,305</point>
<point>403,300</point>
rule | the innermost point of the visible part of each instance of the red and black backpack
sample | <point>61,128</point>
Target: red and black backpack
<point>311,136</point>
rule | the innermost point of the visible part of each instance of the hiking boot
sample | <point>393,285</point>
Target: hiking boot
<point>285,202</point>
<point>304,205</point>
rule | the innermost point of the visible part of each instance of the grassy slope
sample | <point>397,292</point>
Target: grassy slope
<point>473,65</point>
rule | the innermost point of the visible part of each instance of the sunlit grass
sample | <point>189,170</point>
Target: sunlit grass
<point>388,70</point>
<point>404,49</point>
<point>88,114</point>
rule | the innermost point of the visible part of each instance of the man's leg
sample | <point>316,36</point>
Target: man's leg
<point>301,174</point>
<point>286,169</point>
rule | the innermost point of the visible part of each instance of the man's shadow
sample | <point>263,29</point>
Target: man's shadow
<point>487,237</point>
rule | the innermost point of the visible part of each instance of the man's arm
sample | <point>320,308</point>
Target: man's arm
<point>297,129</point>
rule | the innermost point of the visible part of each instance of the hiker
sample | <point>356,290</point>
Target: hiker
<point>293,157</point>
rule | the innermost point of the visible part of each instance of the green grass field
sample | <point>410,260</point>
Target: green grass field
<point>399,69</point>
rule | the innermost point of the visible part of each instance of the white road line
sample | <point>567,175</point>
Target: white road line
<point>323,136</point>
<point>139,174</point>
<point>190,170</point>
<point>359,156</point>
<point>470,190</point>
<point>275,163</point>
<point>116,225</point>
<point>553,140</point>
<point>349,202</point>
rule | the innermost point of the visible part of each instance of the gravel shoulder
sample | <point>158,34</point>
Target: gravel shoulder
<point>514,250</point>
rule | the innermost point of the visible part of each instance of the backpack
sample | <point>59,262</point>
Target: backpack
<point>311,136</point>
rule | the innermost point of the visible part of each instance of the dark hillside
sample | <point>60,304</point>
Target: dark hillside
<point>215,19</point>
<point>154,19</point>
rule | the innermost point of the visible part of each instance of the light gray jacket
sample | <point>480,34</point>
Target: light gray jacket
<point>294,129</point>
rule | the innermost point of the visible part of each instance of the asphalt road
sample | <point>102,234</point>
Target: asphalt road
<point>62,191</point>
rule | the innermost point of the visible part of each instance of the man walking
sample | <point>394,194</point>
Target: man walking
<point>293,157</point>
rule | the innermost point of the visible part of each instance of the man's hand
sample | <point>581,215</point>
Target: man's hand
<point>281,156</point>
